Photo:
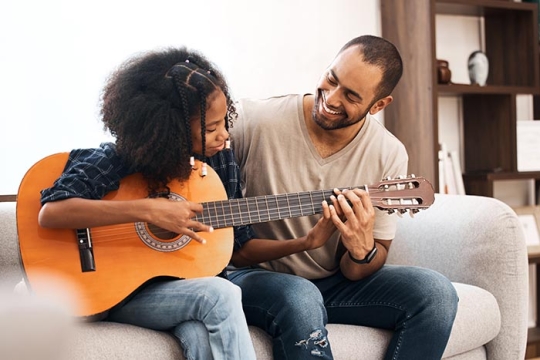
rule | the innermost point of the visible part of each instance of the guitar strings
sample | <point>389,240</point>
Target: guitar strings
<point>224,215</point>
<point>220,220</point>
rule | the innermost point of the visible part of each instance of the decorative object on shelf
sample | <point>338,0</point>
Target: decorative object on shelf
<point>478,68</point>
<point>444,74</point>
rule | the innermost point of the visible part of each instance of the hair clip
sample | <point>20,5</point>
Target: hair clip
<point>192,161</point>
<point>227,144</point>
<point>204,171</point>
<point>187,60</point>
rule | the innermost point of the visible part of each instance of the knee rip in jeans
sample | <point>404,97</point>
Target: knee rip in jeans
<point>317,340</point>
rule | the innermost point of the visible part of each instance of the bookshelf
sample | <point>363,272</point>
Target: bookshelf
<point>510,37</point>
<point>489,112</point>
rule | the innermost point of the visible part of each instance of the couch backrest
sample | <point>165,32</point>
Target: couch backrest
<point>478,241</point>
<point>10,265</point>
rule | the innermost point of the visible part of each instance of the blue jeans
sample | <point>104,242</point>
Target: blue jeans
<point>204,314</point>
<point>418,304</point>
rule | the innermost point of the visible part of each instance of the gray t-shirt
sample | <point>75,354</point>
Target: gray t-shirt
<point>276,156</point>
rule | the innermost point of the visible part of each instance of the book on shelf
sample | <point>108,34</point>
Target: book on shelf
<point>528,145</point>
<point>450,173</point>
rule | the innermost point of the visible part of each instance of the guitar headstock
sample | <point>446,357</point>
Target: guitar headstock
<point>403,194</point>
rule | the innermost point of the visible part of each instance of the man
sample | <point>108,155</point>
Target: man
<point>330,140</point>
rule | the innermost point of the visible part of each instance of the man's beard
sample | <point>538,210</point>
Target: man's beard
<point>329,124</point>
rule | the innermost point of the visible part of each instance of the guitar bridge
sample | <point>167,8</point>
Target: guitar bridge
<point>86,253</point>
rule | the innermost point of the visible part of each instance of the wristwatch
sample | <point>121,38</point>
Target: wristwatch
<point>368,257</point>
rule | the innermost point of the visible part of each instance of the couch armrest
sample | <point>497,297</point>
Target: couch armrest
<point>478,241</point>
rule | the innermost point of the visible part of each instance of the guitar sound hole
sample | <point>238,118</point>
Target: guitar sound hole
<point>161,233</point>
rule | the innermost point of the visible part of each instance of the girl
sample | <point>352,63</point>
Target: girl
<point>163,108</point>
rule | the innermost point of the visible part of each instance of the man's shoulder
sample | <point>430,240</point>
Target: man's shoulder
<point>386,139</point>
<point>375,125</point>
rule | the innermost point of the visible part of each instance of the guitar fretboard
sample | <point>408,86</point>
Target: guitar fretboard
<point>258,209</point>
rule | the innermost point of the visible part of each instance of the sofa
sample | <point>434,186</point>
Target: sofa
<point>477,242</point>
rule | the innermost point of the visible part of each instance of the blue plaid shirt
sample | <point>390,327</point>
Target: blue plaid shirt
<point>92,173</point>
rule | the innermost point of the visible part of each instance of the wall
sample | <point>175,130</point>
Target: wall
<point>56,55</point>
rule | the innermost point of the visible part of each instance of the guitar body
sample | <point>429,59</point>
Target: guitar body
<point>125,255</point>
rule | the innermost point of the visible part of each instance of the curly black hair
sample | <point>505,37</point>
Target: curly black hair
<point>147,104</point>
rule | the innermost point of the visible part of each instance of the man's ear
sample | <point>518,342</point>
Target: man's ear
<point>380,104</point>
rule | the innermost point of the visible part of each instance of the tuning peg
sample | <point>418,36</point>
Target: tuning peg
<point>391,211</point>
<point>412,176</point>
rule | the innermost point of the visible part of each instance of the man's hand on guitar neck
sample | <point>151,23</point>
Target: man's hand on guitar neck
<point>355,219</point>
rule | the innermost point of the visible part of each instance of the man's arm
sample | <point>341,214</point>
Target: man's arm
<point>354,271</point>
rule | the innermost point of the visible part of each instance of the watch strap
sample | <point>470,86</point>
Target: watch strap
<point>370,255</point>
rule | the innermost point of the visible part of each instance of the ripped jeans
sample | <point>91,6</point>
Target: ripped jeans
<point>295,311</point>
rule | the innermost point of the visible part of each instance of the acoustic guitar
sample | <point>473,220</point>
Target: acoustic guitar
<point>104,265</point>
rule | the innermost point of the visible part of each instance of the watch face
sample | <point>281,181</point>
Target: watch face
<point>371,254</point>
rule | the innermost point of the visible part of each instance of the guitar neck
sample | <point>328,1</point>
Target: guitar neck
<point>259,209</point>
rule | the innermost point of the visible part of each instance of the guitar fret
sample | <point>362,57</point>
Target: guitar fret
<point>258,211</point>
<point>285,206</point>
<point>312,203</point>
<point>267,207</point>
<point>305,206</point>
<point>293,207</point>
<point>231,214</point>
<point>203,220</point>
<point>249,211</point>
<point>252,202</point>
<point>204,215</point>
<point>271,207</point>
<point>237,220</point>
<point>225,223</point>
<point>217,216</point>
<point>300,204</point>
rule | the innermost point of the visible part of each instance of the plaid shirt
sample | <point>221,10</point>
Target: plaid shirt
<point>92,173</point>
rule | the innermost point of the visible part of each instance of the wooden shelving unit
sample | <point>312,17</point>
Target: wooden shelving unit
<point>489,112</point>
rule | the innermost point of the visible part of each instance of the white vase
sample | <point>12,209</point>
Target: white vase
<point>478,68</point>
